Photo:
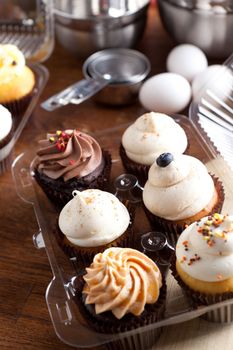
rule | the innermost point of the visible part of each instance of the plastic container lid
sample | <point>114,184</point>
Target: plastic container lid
<point>29,26</point>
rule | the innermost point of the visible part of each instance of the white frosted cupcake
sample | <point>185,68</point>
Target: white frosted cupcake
<point>180,191</point>
<point>204,262</point>
<point>92,221</point>
<point>150,135</point>
<point>6,134</point>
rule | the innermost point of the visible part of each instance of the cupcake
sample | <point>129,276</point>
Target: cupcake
<point>6,135</point>
<point>16,79</point>
<point>150,135</point>
<point>204,263</point>
<point>122,290</point>
<point>180,191</point>
<point>92,221</point>
<point>70,160</point>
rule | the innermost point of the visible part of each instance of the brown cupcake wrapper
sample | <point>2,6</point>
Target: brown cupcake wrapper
<point>172,229</point>
<point>153,313</point>
<point>139,170</point>
<point>18,107</point>
<point>5,163</point>
<point>60,198</point>
<point>223,314</point>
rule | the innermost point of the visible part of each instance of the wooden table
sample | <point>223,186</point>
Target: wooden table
<point>25,271</point>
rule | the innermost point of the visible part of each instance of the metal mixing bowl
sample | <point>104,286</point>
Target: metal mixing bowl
<point>206,24</point>
<point>86,26</point>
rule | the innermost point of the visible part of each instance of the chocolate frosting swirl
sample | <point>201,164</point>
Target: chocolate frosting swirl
<point>69,154</point>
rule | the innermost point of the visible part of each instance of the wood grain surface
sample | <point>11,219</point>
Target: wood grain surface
<point>24,271</point>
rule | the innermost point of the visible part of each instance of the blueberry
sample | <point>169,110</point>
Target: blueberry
<point>164,159</point>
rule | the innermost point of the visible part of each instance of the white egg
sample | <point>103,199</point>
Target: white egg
<point>165,93</point>
<point>186,60</point>
<point>216,78</point>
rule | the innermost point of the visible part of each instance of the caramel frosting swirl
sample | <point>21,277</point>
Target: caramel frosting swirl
<point>122,280</point>
<point>68,154</point>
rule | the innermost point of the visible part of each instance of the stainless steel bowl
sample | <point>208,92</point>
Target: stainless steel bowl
<point>204,24</point>
<point>86,26</point>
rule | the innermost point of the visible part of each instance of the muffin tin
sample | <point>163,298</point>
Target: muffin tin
<point>68,323</point>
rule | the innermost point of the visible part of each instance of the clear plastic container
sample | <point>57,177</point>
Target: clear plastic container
<point>68,323</point>
<point>28,25</point>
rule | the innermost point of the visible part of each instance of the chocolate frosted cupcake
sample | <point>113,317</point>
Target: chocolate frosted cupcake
<point>150,135</point>
<point>70,160</point>
<point>92,221</point>
<point>122,290</point>
<point>6,135</point>
<point>178,192</point>
<point>204,263</point>
<point>17,81</point>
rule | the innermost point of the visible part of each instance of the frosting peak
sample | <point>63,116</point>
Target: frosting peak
<point>122,280</point>
<point>93,218</point>
<point>152,134</point>
<point>179,190</point>
<point>69,154</point>
<point>205,248</point>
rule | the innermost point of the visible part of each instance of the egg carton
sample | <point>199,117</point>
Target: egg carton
<point>214,110</point>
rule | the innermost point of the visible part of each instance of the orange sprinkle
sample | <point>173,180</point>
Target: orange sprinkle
<point>219,276</point>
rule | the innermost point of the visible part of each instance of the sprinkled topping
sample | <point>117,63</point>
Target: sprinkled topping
<point>209,231</point>
<point>14,63</point>
<point>183,259</point>
<point>61,139</point>
<point>194,259</point>
<point>185,244</point>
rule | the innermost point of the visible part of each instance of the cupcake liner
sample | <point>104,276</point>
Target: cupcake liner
<point>137,341</point>
<point>61,196</point>
<point>84,256</point>
<point>139,170</point>
<point>173,229</point>
<point>18,107</point>
<point>222,314</point>
<point>107,323</point>
<point>5,163</point>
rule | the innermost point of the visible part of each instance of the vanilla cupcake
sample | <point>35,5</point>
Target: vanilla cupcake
<point>92,221</point>
<point>204,262</point>
<point>150,135</point>
<point>16,79</point>
<point>6,138</point>
<point>122,290</point>
<point>180,191</point>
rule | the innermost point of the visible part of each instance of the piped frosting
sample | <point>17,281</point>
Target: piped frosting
<point>152,134</point>
<point>69,154</point>
<point>122,280</point>
<point>205,248</point>
<point>179,190</point>
<point>93,218</point>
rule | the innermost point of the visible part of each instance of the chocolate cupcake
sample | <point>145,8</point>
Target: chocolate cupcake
<point>122,290</point>
<point>178,192</point>
<point>91,222</point>
<point>6,138</point>
<point>70,160</point>
<point>203,265</point>
<point>17,81</point>
<point>150,135</point>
